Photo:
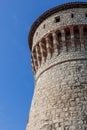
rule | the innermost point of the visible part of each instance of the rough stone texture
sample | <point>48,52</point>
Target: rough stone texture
<point>60,96</point>
<point>65,20</point>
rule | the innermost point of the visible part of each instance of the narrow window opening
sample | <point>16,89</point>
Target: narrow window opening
<point>85,30</point>
<point>59,37</point>
<point>68,38</point>
<point>85,37</point>
<point>57,19</point>
<point>51,42</point>
<point>36,33</point>
<point>44,26</point>
<point>77,37</point>
<point>72,15</point>
<point>86,15</point>
<point>67,33</point>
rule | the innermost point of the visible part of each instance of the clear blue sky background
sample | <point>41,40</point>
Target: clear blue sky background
<point>16,77</point>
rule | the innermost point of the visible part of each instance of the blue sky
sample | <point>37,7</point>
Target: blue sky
<point>16,77</point>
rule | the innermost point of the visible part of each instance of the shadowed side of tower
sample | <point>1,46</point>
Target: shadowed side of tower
<point>58,43</point>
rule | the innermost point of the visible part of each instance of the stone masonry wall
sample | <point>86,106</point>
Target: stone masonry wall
<point>60,98</point>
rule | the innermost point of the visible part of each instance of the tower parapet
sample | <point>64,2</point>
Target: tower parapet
<point>58,43</point>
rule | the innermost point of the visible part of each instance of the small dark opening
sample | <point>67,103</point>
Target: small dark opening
<point>51,39</point>
<point>72,15</point>
<point>86,15</point>
<point>59,40</point>
<point>76,30</point>
<point>77,36</point>
<point>85,30</point>
<point>57,19</point>
<point>59,37</point>
<point>44,26</point>
<point>67,33</point>
<point>36,33</point>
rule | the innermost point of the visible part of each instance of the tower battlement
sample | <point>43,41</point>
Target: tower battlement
<point>67,39</point>
<point>64,30</point>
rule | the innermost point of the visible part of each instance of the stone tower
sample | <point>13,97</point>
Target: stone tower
<point>58,43</point>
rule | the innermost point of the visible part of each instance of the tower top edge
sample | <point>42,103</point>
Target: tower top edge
<point>48,13</point>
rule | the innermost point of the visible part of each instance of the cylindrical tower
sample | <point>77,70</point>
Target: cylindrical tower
<point>58,43</point>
